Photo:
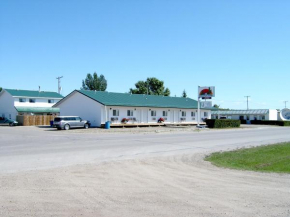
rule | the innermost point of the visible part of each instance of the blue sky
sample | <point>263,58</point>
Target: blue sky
<point>241,47</point>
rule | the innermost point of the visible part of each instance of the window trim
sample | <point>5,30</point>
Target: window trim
<point>130,113</point>
<point>116,112</point>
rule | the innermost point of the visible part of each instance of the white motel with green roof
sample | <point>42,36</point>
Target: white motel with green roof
<point>15,102</point>
<point>100,106</point>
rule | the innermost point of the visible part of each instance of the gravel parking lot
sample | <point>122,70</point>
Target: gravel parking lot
<point>44,172</point>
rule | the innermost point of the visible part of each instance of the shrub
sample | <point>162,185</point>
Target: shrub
<point>222,123</point>
<point>278,123</point>
<point>243,121</point>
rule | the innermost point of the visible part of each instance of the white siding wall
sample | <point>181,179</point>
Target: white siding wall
<point>273,114</point>
<point>80,105</point>
<point>143,114</point>
<point>39,102</point>
<point>7,106</point>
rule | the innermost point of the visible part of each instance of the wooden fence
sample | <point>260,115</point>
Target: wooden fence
<point>34,120</point>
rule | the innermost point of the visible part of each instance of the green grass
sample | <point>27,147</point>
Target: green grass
<point>270,158</point>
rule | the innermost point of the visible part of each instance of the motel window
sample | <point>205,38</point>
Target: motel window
<point>263,117</point>
<point>205,114</point>
<point>50,101</point>
<point>22,100</point>
<point>164,113</point>
<point>116,112</point>
<point>32,100</point>
<point>153,113</point>
<point>192,114</point>
<point>183,113</point>
<point>129,112</point>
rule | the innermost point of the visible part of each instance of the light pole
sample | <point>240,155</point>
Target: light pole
<point>247,102</point>
<point>285,103</point>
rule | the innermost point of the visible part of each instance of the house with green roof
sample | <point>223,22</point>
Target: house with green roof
<point>100,106</point>
<point>15,102</point>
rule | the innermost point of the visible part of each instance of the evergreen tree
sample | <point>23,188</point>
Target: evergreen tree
<point>184,94</point>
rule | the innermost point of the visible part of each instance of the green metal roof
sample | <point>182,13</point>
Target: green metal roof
<point>139,100</point>
<point>34,94</point>
<point>241,112</point>
<point>37,109</point>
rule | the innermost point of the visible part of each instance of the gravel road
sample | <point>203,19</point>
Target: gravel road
<point>52,173</point>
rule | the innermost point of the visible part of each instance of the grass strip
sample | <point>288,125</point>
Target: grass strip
<point>270,158</point>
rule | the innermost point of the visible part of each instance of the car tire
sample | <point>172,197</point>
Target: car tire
<point>66,127</point>
<point>86,126</point>
<point>11,124</point>
<point>58,128</point>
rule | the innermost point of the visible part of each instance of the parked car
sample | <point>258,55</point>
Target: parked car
<point>7,121</point>
<point>67,122</point>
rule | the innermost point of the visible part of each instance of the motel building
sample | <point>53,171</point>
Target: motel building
<point>98,107</point>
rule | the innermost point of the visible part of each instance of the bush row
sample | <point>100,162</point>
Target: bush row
<point>222,123</point>
<point>278,123</point>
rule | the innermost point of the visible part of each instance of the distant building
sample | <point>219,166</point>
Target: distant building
<point>251,114</point>
<point>15,102</point>
<point>100,106</point>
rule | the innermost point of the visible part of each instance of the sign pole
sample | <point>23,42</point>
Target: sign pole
<point>198,109</point>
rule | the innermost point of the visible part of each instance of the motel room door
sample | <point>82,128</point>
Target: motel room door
<point>172,116</point>
<point>144,116</point>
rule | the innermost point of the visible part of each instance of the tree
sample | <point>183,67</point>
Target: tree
<point>216,106</point>
<point>0,89</point>
<point>152,86</point>
<point>184,94</point>
<point>93,82</point>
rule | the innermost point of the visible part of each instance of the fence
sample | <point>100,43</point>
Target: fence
<point>34,120</point>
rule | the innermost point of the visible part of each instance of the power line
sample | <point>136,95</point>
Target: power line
<point>247,102</point>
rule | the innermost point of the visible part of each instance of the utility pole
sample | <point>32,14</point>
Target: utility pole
<point>59,87</point>
<point>285,103</point>
<point>247,102</point>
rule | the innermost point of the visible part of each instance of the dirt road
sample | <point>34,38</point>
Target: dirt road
<point>163,185</point>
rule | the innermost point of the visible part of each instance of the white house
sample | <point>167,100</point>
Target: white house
<point>100,106</point>
<point>251,114</point>
<point>15,102</point>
